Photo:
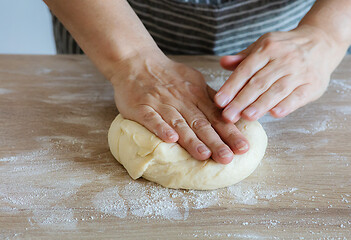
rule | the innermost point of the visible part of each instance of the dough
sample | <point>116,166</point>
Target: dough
<point>145,155</point>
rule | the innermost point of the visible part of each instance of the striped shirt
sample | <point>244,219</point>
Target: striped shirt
<point>216,27</point>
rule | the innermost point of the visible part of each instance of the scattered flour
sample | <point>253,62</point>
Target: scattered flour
<point>5,91</point>
<point>21,192</point>
<point>219,235</point>
<point>320,126</point>
<point>43,71</point>
<point>145,199</point>
<point>110,202</point>
<point>314,127</point>
<point>87,75</point>
<point>56,217</point>
<point>32,155</point>
<point>342,110</point>
<point>342,85</point>
<point>67,97</point>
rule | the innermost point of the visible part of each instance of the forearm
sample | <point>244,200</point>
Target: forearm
<point>108,31</point>
<point>334,19</point>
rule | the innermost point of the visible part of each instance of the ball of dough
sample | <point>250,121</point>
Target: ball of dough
<point>145,155</point>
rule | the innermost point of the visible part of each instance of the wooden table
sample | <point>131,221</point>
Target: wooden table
<point>59,180</point>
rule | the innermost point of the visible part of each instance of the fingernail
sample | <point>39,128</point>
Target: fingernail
<point>241,145</point>
<point>222,99</point>
<point>225,153</point>
<point>203,150</point>
<point>170,134</point>
<point>230,114</point>
<point>250,112</point>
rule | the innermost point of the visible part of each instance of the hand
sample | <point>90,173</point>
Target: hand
<point>279,73</point>
<point>174,102</point>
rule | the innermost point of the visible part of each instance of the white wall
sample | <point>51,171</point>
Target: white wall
<point>25,28</point>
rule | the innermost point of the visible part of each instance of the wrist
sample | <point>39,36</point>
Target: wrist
<point>327,46</point>
<point>319,33</point>
<point>131,60</point>
<point>134,63</point>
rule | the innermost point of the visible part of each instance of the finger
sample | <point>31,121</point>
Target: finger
<point>187,138</point>
<point>231,62</point>
<point>228,132</point>
<point>254,88</point>
<point>204,131</point>
<point>298,98</point>
<point>211,92</point>
<point>246,69</point>
<point>150,119</point>
<point>276,93</point>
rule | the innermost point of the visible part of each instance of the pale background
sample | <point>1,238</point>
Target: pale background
<point>25,28</point>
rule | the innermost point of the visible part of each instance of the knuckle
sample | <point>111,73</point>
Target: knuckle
<point>148,115</point>
<point>280,87</point>
<point>270,35</point>
<point>301,95</point>
<point>175,93</point>
<point>258,83</point>
<point>147,98</point>
<point>160,127</point>
<point>268,42</point>
<point>154,91</point>
<point>241,70</point>
<point>156,94</point>
<point>200,123</point>
<point>234,134</point>
<point>230,130</point>
<point>178,123</point>
<point>166,109</point>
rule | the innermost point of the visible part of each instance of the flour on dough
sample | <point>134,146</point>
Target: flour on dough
<point>145,155</point>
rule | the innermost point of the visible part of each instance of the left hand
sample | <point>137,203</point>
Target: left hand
<point>279,73</point>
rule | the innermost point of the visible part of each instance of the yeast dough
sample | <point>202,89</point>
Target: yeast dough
<point>145,155</point>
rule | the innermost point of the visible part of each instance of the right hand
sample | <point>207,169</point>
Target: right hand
<point>174,102</point>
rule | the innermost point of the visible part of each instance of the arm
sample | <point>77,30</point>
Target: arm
<point>283,71</point>
<point>169,98</point>
<point>334,19</point>
<point>108,31</point>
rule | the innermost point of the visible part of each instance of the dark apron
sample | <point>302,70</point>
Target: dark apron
<point>215,27</point>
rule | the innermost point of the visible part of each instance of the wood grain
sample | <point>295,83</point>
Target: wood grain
<point>59,180</point>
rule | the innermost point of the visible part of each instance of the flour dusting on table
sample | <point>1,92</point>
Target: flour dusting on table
<point>49,200</point>
<point>5,91</point>
<point>144,199</point>
<point>49,193</point>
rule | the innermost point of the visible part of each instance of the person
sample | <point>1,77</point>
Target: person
<point>281,54</point>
